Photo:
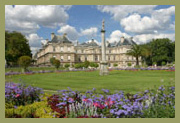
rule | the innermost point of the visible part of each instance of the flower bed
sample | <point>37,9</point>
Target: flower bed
<point>73,104</point>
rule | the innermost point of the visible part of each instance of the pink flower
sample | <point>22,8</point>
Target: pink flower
<point>85,100</point>
<point>96,104</point>
<point>17,95</point>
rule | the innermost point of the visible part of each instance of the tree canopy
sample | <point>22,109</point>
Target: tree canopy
<point>158,51</point>
<point>16,45</point>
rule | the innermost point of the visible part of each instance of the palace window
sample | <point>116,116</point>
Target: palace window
<point>85,58</point>
<point>62,48</point>
<point>96,58</point>
<point>114,58</point>
<point>69,48</point>
<point>62,58</point>
<point>69,58</point>
<point>109,58</point>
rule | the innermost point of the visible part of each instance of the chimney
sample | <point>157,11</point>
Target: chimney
<point>65,34</point>
<point>52,35</point>
<point>122,39</point>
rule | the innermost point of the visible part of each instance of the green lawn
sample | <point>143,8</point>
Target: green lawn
<point>128,81</point>
<point>18,69</point>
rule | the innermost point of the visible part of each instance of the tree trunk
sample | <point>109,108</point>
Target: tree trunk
<point>137,61</point>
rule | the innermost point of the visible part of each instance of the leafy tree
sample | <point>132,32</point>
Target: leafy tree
<point>24,62</point>
<point>135,51</point>
<point>16,45</point>
<point>163,63</point>
<point>146,54</point>
<point>159,50</point>
<point>56,63</point>
<point>52,60</point>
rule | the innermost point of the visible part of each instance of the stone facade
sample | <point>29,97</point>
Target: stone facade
<point>67,52</point>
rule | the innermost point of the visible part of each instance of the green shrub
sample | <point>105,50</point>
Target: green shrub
<point>163,63</point>
<point>67,65</point>
<point>35,110</point>
<point>129,64</point>
<point>86,64</point>
<point>56,63</point>
<point>115,64</point>
<point>24,62</point>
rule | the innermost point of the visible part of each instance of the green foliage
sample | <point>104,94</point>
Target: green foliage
<point>86,64</point>
<point>24,62</point>
<point>79,65</point>
<point>67,65</point>
<point>163,63</point>
<point>16,45</point>
<point>92,64</point>
<point>163,106</point>
<point>129,64</point>
<point>56,63</point>
<point>159,50</point>
<point>35,110</point>
<point>115,64</point>
<point>52,60</point>
<point>154,63</point>
<point>96,65</point>
<point>136,52</point>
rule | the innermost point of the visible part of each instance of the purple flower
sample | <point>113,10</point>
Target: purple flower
<point>112,111</point>
<point>61,104</point>
<point>105,90</point>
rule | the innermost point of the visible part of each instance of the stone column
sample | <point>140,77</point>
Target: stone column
<point>103,62</point>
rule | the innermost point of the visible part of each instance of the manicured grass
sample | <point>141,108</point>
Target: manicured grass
<point>128,81</point>
<point>18,69</point>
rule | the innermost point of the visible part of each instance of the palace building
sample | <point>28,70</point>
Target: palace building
<point>66,51</point>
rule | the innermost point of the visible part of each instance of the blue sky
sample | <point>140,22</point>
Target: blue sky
<point>83,22</point>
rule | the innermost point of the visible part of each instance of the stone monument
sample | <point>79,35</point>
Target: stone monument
<point>103,63</point>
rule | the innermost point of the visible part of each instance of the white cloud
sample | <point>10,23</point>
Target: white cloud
<point>91,32</point>
<point>99,43</point>
<point>160,20</point>
<point>144,38</point>
<point>116,36</point>
<point>35,41</point>
<point>29,18</point>
<point>72,33</point>
<point>121,11</point>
